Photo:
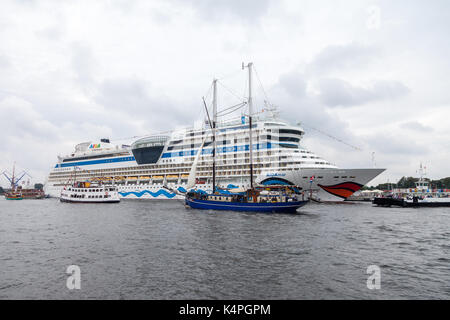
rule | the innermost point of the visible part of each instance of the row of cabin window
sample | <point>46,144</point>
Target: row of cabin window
<point>82,196</point>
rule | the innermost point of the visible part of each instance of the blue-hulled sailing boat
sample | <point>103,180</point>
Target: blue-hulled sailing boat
<point>276,199</point>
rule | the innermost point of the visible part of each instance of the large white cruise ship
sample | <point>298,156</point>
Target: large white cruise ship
<point>153,166</point>
<point>158,166</point>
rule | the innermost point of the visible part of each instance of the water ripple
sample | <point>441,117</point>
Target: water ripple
<point>161,250</point>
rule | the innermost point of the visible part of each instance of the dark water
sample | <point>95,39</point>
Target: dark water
<point>160,250</point>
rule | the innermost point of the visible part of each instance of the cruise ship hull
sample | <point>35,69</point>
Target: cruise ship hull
<point>330,185</point>
<point>326,185</point>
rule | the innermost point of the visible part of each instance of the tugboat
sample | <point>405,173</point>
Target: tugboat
<point>412,201</point>
<point>419,197</point>
<point>275,199</point>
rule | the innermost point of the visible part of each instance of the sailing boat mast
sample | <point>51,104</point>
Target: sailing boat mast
<point>250,112</point>
<point>13,185</point>
<point>214,124</point>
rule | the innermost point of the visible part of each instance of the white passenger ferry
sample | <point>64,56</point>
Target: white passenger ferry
<point>158,166</point>
<point>87,192</point>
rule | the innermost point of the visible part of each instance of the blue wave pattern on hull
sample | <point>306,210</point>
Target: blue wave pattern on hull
<point>156,194</point>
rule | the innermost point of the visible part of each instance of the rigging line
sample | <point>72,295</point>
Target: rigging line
<point>234,110</point>
<point>236,105</point>
<point>209,91</point>
<point>262,87</point>
<point>232,92</point>
<point>222,115</point>
<point>334,138</point>
<point>245,88</point>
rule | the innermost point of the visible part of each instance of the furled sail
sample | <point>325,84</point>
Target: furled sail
<point>193,172</point>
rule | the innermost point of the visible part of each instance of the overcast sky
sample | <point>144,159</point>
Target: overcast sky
<point>374,74</point>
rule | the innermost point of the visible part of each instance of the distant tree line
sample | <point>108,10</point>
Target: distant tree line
<point>410,182</point>
<point>2,191</point>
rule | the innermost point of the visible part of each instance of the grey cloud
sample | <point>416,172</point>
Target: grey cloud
<point>336,57</point>
<point>297,105</point>
<point>294,83</point>
<point>83,63</point>
<point>4,62</point>
<point>23,120</point>
<point>54,32</point>
<point>124,95</point>
<point>402,145</point>
<point>133,97</point>
<point>336,92</point>
<point>247,11</point>
<point>416,126</point>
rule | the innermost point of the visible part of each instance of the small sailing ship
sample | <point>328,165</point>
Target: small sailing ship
<point>273,199</point>
<point>14,193</point>
<point>24,191</point>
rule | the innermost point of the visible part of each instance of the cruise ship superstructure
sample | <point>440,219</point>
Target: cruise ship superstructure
<point>156,166</point>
